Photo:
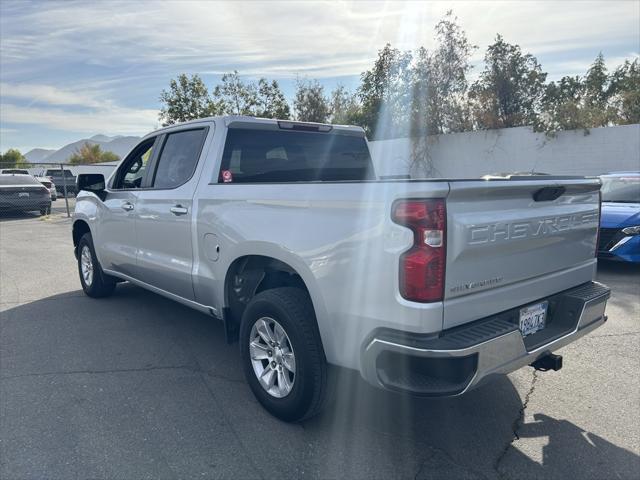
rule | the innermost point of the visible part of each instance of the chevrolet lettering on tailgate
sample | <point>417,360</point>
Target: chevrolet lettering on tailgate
<point>497,232</point>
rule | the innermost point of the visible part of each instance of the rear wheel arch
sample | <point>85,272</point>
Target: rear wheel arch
<point>252,274</point>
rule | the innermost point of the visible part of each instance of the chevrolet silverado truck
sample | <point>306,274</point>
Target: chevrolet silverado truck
<point>282,231</point>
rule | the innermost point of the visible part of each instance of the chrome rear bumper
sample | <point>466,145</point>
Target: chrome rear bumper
<point>461,358</point>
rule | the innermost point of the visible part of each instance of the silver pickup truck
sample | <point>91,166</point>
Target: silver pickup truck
<point>282,230</point>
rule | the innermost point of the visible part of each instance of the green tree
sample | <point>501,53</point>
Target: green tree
<point>562,106</point>
<point>310,103</point>
<point>271,102</point>
<point>92,153</point>
<point>234,96</point>
<point>450,67</point>
<point>581,102</point>
<point>13,158</point>
<point>385,94</point>
<point>597,95</point>
<point>344,106</point>
<point>510,89</point>
<point>237,97</point>
<point>440,83</point>
<point>596,84</point>
<point>187,99</point>
<point>625,92</point>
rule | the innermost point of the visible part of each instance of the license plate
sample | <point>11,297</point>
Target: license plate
<point>533,318</point>
<point>23,194</point>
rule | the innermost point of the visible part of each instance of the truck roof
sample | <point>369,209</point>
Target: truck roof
<point>621,174</point>
<point>271,122</point>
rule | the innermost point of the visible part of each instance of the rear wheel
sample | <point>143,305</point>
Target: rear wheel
<point>282,354</point>
<point>95,282</point>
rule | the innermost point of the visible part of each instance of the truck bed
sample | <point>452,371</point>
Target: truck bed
<point>341,238</point>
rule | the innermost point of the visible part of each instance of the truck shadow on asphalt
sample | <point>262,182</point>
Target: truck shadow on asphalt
<point>363,433</point>
<point>478,434</point>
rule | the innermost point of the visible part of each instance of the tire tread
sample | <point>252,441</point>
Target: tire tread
<point>298,305</point>
<point>103,285</point>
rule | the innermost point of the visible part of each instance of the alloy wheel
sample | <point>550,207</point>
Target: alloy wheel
<point>272,357</point>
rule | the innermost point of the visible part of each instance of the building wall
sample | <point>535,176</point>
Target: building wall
<point>473,154</point>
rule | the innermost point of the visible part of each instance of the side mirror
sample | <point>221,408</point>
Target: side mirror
<point>91,182</point>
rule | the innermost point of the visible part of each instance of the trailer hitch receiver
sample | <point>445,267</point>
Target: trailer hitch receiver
<point>548,362</point>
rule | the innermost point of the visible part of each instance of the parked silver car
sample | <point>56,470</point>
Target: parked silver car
<point>281,230</point>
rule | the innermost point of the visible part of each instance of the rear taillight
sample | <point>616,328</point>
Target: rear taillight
<point>422,267</point>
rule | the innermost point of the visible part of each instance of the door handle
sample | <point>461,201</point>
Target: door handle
<point>178,210</point>
<point>127,206</point>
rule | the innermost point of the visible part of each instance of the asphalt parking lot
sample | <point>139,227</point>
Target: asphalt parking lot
<point>136,386</point>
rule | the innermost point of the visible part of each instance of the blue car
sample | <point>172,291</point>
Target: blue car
<point>620,218</point>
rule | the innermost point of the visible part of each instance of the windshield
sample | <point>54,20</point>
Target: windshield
<point>622,189</point>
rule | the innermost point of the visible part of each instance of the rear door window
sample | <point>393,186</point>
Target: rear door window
<point>178,158</point>
<point>254,156</point>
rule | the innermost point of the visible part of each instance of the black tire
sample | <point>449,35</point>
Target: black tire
<point>45,210</point>
<point>293,310</point>
<point>102,285</point>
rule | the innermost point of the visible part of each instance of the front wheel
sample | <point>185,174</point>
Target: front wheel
<point>282,353</point>
<point>95,282</point>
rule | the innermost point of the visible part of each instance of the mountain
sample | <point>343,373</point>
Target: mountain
<point>38,154</point>
<point>119,145</point>
<point>104,138</point>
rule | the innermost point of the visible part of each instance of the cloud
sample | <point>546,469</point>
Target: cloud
<point>48,94</point>
<point>115,120</point>
<point>46,106</point>
<point>84,67</point>
<point>578,67</point>
<point>327,38</point>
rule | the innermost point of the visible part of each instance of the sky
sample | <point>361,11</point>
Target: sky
<point>70,70</point>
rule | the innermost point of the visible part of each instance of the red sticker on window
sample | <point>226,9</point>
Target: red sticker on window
<point>227,176</point>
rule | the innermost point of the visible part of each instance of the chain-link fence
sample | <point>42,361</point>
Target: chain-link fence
<point>59,178</point>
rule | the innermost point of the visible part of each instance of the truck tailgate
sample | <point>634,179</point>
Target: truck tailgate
<point>510,242</point>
